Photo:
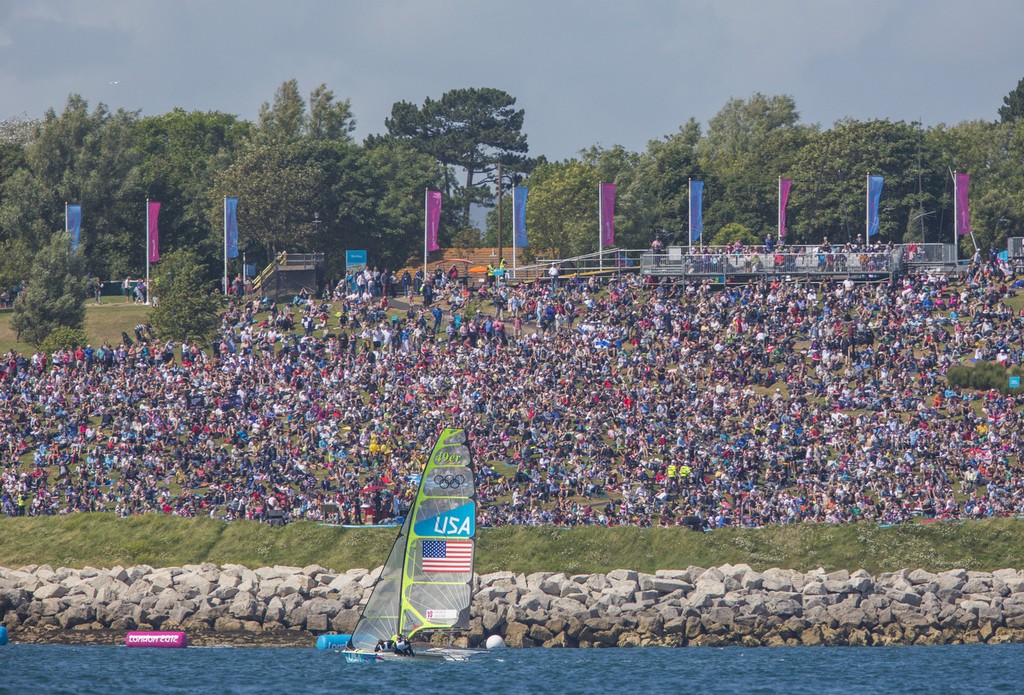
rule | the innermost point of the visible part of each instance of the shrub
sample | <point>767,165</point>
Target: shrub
<point>983,376</point>
<point>62,338</point>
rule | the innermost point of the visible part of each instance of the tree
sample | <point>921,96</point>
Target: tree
<point>830,178</point>
<point>735,231</point>
<point>472,129</point>
<point>562,213</point>
<point>283,121</point>
<point>749,143</point>
<point>187,306</point>
<point>56,292</point>
<point>277,185</point>
<point>373,200</point>
<point>181,153</point>
<point>77,156</point>
<point>655,199</point>
<point>993,155</point>
<point>1013,104</point>
<point>329,119</point>
<point>287,121</point>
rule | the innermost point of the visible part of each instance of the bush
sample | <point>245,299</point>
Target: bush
<point>983,376</point>
<point>63,338</point>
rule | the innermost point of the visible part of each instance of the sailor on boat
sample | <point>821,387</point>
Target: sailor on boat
<point>402,647</point>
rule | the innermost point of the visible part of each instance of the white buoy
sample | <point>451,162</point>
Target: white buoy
<point>495,642</point>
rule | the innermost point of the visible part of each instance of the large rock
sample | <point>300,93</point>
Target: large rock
<point>246,607</point>
<point>47,591</point>
<point>517,635</point>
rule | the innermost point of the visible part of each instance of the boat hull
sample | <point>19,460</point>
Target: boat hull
<point>360,657</point>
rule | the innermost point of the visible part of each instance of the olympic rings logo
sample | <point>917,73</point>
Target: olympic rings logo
<point>446,482</point>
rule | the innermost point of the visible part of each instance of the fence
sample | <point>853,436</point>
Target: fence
<point>721,263</point>
<point>930,255</point>
<point>602,262</point>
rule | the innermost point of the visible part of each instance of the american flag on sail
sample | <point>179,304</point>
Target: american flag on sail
<point>447,556</point>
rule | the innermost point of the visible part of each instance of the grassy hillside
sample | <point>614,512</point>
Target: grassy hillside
<point>102,540</point>
<point>103,323</point>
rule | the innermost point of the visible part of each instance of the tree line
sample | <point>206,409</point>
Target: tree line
<point>305,184</point>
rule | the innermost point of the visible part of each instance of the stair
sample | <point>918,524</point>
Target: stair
<point>286,263</point>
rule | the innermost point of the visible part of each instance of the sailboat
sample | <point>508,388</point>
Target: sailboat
<point>427,580</point>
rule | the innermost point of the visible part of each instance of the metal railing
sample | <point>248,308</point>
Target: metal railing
<point>601,262</point>
<point>300,261</point>
<point>722,263</point>
<point>287,261</point>
<point>257,283</point>
<point>930,255</point>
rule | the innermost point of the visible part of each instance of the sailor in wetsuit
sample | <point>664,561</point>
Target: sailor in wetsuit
<point>402,647</point>
<point>381,646</point>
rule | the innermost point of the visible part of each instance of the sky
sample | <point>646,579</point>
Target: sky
<point>586,72</point>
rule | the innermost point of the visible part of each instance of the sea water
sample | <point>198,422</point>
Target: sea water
<point>812,670</point>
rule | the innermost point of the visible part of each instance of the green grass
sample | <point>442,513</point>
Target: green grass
<point>102,540</point>
<point>103,323</point>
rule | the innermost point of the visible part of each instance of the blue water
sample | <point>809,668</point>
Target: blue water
<point>812,670</point>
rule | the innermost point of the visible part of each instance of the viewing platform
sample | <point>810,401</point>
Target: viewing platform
<point>728,264</point>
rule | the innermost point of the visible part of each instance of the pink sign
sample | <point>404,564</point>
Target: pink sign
<point>164,640</point>
<point>607,214</point>
<point>784,186</point>
<point>433,219</point>
<point>963,213</point>
<point>153,243</point>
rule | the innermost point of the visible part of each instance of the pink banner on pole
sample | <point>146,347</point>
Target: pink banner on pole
<point>607,214</point>
<point>433,219</point>
<point>784,186</point>
<point>963,213</point>
<point>154,234</point>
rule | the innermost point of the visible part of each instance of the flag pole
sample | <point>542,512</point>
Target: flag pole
<point>600,227</point>
<point>689,216</point>
<point>147,250</point>
<point>956,222</point>
<point>514,228</point>
<point>500,249</point>
<point>779,219</point>
<point>426,223</point>
<point>65,215</point>
<point>867,209</point>
<point>225,245</point>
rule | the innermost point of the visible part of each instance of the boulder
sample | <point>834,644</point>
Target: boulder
<point>50,591</point>
<point>517,636</point>
<point>246,607</point>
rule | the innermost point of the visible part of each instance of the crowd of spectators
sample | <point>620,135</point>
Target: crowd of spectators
<point>622,401</point>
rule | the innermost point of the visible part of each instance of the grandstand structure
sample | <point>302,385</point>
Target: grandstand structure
<point>290,272</point>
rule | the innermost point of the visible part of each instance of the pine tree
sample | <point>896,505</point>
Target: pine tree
<point>56,292</point>
<point>1013,104</point>
<point>187,307</point>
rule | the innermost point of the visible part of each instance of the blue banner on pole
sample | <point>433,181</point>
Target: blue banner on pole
<point>74,225</point>
<point>519,194</point>
<point>696,210</point>
<point>874,195</point>
<point>231,226</point>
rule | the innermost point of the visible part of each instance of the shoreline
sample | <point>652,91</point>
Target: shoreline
<point>289,607</point>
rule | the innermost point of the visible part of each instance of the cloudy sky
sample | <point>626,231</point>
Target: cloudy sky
<point>587,72</point>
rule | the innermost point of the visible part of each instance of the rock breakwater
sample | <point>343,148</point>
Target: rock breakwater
<point>727,605</point>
